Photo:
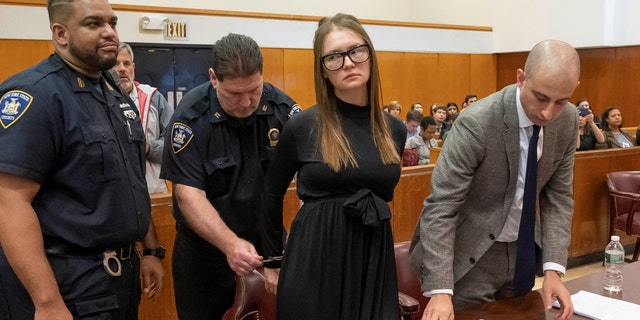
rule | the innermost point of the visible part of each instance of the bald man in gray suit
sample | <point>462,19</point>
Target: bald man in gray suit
<point>464,245</point>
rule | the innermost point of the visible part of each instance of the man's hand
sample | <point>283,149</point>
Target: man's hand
<point>271,280</point>
<point>152,276</point>
<point>554,289</point>
<point>439,307</point>
<point>242,257</point>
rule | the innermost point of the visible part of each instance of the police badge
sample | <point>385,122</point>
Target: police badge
<point>274,136</point>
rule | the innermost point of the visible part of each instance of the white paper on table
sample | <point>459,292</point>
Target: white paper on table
<point>599,307</point>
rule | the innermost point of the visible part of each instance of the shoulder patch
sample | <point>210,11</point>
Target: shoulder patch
<point>13,105</point>
<point>181,135</point>
<point>295,109</point>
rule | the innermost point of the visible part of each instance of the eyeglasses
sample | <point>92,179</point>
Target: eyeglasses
<point>357,54</point>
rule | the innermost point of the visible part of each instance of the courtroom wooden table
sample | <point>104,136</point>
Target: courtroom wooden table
<point>531,305</point>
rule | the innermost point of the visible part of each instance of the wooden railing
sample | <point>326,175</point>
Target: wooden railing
<point>164,308</point>
<point>589,231</point>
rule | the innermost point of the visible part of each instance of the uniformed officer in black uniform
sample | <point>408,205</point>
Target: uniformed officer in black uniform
<point>73,199</point>
<point>221,138</point>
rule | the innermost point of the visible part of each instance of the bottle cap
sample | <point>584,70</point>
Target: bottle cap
<point>615,238</point>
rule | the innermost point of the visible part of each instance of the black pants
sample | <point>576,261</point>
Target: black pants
<point>204,283</point>
<point>88,291</point>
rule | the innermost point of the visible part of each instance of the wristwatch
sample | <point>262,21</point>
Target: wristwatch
<point>158,252</point>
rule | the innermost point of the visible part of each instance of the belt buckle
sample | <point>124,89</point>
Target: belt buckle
<point>125,250</point>
<point>110,255</point>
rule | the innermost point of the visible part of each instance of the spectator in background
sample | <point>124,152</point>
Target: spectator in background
<point>612,130</point>
<point>413,123</point>
<point>440,116</point>
<point>452,118</point>
<point>417,106</point>
<point>424,141</point>
<point>452,108</point>
<point>385,109</point>
<point>394,108</point>
<point>588,131</point>
<point>468,100</point>
<point>584,103</point>
<point>155,114</point>
<point>433,107</point>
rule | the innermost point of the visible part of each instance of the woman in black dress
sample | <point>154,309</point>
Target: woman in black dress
<point>339,259</point>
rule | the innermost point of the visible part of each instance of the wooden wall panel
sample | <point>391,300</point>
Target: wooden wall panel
<point>273,66</point>
<point>597,78</point>
<point>298,76</point>
<point>482,76</point>
<point>18,55</point>
<point>507,64</point>
<point>406,77</point>
<point>453,77</point>
<point>626,93</point>
<point>419,80</point>
<point>391,75</point>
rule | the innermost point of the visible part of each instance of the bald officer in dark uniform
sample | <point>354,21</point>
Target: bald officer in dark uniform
<point>73,199</point>
<point>221,139</point>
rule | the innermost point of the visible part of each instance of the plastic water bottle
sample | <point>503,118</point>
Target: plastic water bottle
<point>613,262</point>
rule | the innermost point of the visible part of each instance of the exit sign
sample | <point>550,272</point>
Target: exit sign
<point>176,31</point>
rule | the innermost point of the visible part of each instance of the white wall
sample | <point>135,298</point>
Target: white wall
<point>517,24</point>
<point>463,12</point>
<point>267,32</point>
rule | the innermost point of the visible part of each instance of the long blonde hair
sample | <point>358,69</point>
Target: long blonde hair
<point>334,146</point>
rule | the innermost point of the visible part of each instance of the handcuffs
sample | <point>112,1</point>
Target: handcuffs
<point>109,256</point>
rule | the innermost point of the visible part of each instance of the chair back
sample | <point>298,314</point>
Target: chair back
<point>623,186</point>
<point>408,282</point>
<point>624,205</point>
<point>252,301</point>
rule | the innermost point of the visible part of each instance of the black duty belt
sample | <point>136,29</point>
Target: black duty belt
<point>110,257</point>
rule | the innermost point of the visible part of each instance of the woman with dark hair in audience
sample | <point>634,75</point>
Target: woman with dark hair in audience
<point>424,141</point>
<point>588,131</point>
<point>452,108</point>
<point>339,260</point>
<point>584,103</point>
<point>611,128</point>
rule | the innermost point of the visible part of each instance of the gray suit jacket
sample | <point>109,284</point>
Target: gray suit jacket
<point>473,185</point>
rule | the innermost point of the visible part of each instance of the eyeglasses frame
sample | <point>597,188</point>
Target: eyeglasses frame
<point>345,54</point>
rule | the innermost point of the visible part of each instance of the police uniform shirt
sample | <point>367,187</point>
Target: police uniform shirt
<point>224,156</point>
<point>82,141</point>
